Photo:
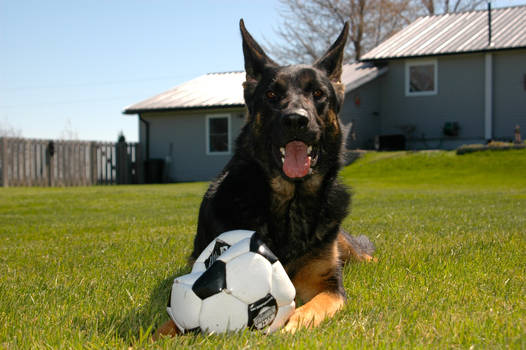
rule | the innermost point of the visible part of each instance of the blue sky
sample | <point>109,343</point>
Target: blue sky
<point>74,65</point>
<point>70,67</point>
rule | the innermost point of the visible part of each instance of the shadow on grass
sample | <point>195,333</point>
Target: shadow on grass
<point>143,322</point>
<point>137,325</point>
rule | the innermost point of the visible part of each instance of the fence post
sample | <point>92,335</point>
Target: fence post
<point>94,164</point>
<point>122,162</point>
<point>139,164</point>
<point>25,167</point>
<point>50,152</point>
<point>4,163</point>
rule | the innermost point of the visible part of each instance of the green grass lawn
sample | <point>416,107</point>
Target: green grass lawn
<point>92,267</point>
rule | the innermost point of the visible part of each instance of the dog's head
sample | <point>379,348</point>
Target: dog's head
<point>293,111</point>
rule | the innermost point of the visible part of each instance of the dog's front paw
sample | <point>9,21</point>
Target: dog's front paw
<point>302,317</point>
<point>323,305</point>
<point>168,329</point>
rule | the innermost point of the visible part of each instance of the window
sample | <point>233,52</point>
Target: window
<point>421,78</point>
<point>218,134</point>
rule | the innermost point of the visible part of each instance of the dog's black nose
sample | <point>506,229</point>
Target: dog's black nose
<point>297,119</point>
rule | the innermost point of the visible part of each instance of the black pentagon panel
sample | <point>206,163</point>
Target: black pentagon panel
<point>257,246</point>
<point>262,312</point>
<point>169,300</point>
<point>219,248</point>
<point>212,281</point>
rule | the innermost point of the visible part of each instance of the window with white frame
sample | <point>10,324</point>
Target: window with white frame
<point>218,134</point>
<point>421,78</point>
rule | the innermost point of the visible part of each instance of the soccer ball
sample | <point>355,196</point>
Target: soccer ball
<point>243,285</point>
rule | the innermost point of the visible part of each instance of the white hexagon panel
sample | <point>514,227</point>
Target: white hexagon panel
<point>284,312</point>
<point>184,305</point>
<point>249,277</point>
<point>282,288</point>
<point>223,312</point>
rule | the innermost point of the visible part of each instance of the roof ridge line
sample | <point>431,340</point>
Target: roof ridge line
<point>468,11</point>
<point>227,72</point>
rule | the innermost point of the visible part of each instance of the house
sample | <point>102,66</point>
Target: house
<point>441,82</point>
<point>192,128</point>
<point>452,79</point>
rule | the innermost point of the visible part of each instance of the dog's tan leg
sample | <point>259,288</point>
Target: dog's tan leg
<point>168,329</point>
<point>323,305</point>
<point>318,283</point>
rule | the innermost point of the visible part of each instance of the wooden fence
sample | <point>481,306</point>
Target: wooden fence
<point>30,162</point>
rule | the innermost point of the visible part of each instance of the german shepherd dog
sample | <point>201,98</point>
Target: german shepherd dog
<point>282,179</point>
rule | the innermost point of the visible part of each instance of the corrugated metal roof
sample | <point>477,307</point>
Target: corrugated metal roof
<point>225,90</point>
<point>206,91</point>
<point>455,33</point>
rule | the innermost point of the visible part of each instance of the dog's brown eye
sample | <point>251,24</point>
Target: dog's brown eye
<point>317,93</point>
<point>271,95</point>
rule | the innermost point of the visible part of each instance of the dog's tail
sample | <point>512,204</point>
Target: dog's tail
<point>358,248</point>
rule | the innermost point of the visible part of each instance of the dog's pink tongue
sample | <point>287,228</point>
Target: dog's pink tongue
<point>297,161</point>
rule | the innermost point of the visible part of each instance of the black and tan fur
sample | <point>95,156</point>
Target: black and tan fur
<point>298,217</point>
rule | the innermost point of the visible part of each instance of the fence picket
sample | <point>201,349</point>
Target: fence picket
<point>3,161</point>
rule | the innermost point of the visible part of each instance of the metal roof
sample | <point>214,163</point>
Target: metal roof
<point>455,33</point>
<point>221,90</point>
<point>206,91</point>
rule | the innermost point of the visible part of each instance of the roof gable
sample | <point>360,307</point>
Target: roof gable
<point>455,33</point>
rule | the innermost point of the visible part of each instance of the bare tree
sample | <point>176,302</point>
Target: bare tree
<point>433,7</point>
<point>68,133</point>
<point>7,130</point>
<point>308,26</point>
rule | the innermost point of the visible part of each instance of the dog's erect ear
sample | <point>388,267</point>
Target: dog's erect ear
<point>255,57</point>
<point>331,62</point>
